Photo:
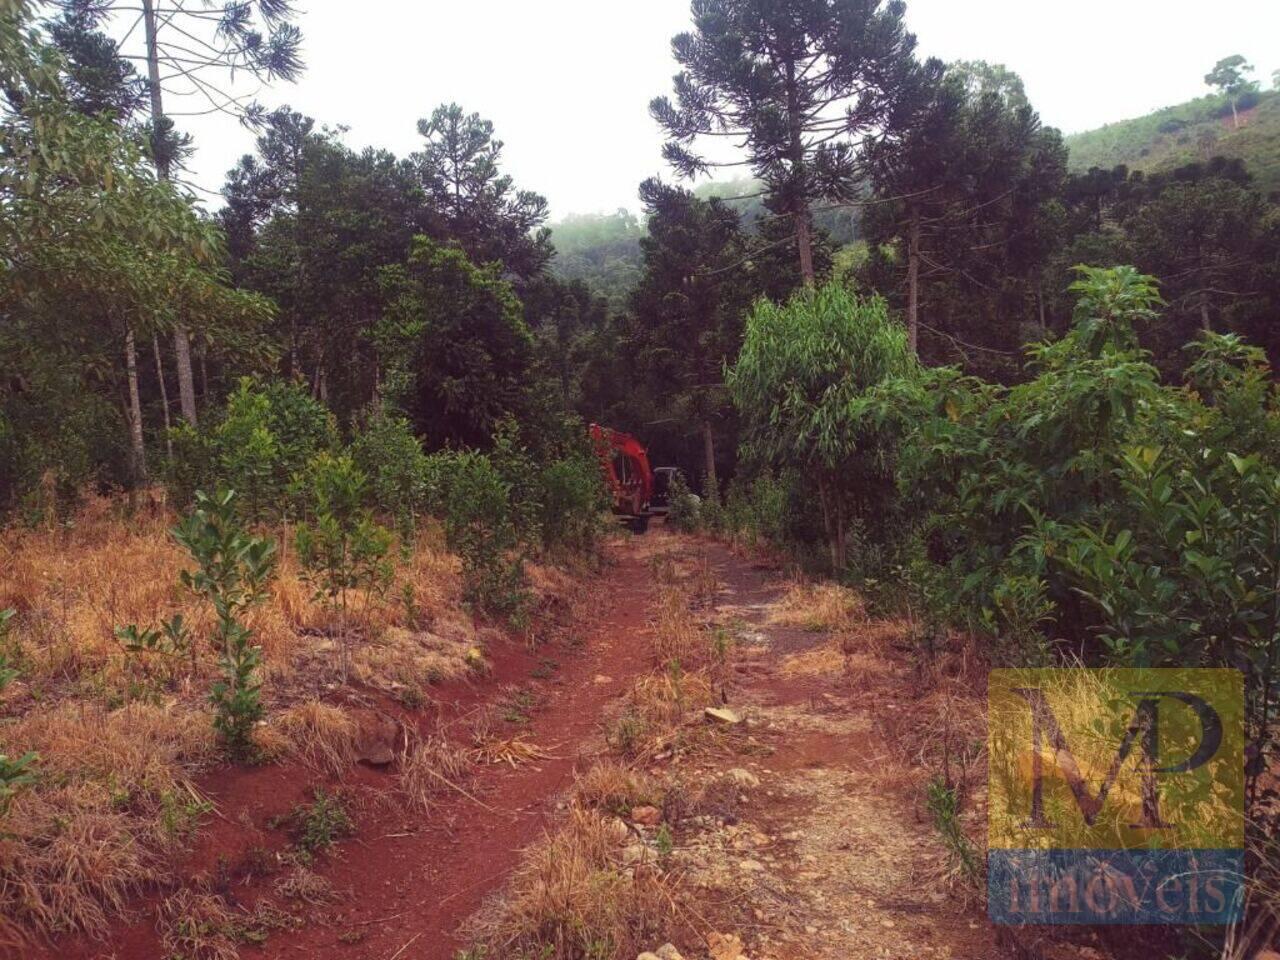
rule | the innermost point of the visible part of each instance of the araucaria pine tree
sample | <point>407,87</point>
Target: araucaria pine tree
<point>797,85</point>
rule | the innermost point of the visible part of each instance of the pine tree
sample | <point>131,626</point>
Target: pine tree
<point>184,50</point>
<point>797,84</point>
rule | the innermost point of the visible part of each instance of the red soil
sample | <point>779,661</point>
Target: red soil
<point>403,883</point>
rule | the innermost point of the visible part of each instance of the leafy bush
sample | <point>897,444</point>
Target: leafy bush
<point>474,501</point>
<point>805,384</point>
<point>1137,519</point>
<point>389,453</point>
<point>758,510</point>
<point>266,435</point>
<point>574,500</point>
<point>342,549</point>
<point>683,505</point>
<point>18,773</point>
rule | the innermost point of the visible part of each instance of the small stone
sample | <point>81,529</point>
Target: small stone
<point>886,923</point>
<point>722,715</point>
<point>668,952</point>
<point>646,816</point>
<point>743,778</point>
<point>751,866</point>
<point>602,679</point>
<point>377,738</point>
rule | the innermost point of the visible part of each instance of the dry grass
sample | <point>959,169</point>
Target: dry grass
<point>614,788</point>
<point>512,751</point>
<point>821,608</point>
<point>121,737</point>
<point>113,798</point>
<point>414,659</point>
<point>198,926</point>
<point>571,898</point>
<point>322,735</point>
<point>430,768</point>
<point>301,884</point>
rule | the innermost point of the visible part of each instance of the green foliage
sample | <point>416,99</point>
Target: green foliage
<point>574,502</point>
<point>15,776</point>
<point>943,803</point>
<point>474,500</point>
<point>601,250</point>
<point>805,385</point>
<point>265,436</point>
<point>170,639</point>
<point>342,549</point>
<point>683,505</point>
<point>758,509</point>
<point>387,452</point>
<point>317,826</point>
<point>233,568</point>
<point>1141,521</point>
<point>1181,134</point>
<point>454,344</point>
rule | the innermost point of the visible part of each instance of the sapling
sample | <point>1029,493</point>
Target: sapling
<point>170,639</point>
<point>342,549</point>
<point>233,570</point>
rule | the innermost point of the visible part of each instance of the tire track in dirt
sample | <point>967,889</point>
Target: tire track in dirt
<point>404,883</point>
<point>830,857</point>
<point>411,893</point>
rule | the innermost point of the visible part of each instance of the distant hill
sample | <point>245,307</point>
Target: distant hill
<point>1189,132</point>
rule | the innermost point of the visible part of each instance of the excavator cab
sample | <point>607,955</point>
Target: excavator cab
<point>625,465</point>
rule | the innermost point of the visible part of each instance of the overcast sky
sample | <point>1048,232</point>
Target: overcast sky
<point>567,82</point>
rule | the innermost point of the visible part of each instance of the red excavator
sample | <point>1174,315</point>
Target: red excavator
<point>625,464</point>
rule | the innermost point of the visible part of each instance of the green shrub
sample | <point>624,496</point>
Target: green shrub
<point>389,453</point>
<point>1140,521</point>
<point>758,510</point>
<point>574,501</point>
<point>808,386</point>
<point>233,568</point>
<point>19,773</point>
<point>266,434</point>
<point>683,511</point>
<point>474,502</point>
<point>342,549</point>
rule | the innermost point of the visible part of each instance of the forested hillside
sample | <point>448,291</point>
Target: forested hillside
<point>1191,132</point>
<point>319,631</point>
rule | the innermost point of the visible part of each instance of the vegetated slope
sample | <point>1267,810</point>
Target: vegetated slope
<point>1189,132</point>
<point>600,249</point>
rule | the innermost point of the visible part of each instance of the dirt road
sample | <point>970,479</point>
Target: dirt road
<point>828,857</point>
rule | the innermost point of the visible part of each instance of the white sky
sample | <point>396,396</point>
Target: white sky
<point>567,82</point>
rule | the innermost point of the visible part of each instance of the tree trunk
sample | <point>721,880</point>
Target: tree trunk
<point>842,554</point>
<point>181,343</point>
<point>913,283</point>
<point>804,244</point>
<point>709,453</point>
<point>164,396</point>
<point>1204,313</point>
<point>827,523</point>
<point>186,380</point>
<point>204,376</point>
<point>800,205</point>
<point>138,452</point>
<point>1235,115</point>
